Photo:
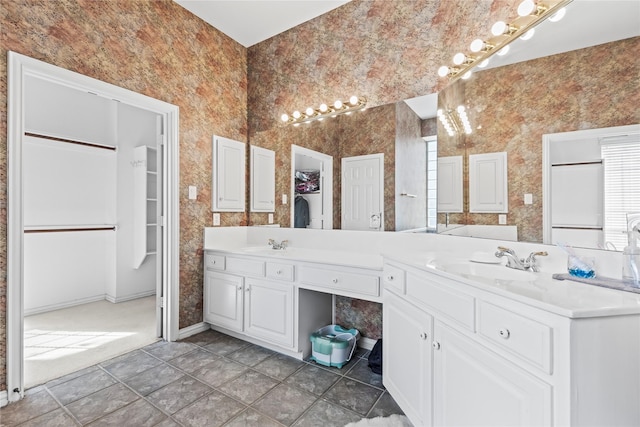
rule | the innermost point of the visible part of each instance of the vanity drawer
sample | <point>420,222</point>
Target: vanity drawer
<point>393,278</point>
<point>214,262</point>
<point>245,266</point>
<point>338,280</point>
<point>443,296</point>
<point>526,338</point>
<point>280,271</point>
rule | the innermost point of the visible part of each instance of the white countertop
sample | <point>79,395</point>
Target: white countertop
<point>428,252</point>
<point>322,256</point>
<point>540,290</point>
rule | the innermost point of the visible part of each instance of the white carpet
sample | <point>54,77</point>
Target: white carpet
<point>63,341</point>
<point>391,421</point>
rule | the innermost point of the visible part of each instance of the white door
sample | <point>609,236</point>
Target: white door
<point>228,175</point>
<point>474,387</point>
<point>407,357</point>
<point>363,192</point>
<point>223,300</point>
<point>268,311</point>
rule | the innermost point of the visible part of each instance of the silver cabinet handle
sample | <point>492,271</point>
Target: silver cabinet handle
<point>239,287</point>
<point>504,333</point>
<point>279,272</point>
<point>423,335</point>
<point>390,278</point>
<point>436,345</point>
<point>335,280</point>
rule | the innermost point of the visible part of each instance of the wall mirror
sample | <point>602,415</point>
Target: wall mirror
<point>511,104</point>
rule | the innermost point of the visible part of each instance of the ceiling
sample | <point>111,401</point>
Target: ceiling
<point>251,21</point>
<point>587,23</point>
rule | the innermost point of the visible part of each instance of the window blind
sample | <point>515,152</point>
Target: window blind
<point>621,159</point>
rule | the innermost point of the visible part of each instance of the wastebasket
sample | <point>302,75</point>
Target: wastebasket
<point>333,345</point>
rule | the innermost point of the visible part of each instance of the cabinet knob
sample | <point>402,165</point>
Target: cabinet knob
<point>248,289</point>
<point>436,345</point>
<point>335,280</point>
<point>279,272</point>
<point>239,287</point>
<point>213,262</point>
<point>504,333</point>
<point>390,278</point>
<point>423,335</point>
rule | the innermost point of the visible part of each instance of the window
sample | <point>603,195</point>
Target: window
<point>432,183</point>
<point>621,159</point>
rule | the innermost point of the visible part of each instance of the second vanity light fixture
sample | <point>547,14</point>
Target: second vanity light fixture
<point>455,121</point>
<point>530,14</point>
<point>355,103</point>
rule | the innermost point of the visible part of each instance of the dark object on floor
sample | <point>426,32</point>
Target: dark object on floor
<point>375,357</point>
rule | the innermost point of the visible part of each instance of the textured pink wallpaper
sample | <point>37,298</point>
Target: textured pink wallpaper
<point>152,47</point>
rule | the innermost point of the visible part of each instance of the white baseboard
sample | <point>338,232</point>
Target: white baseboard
<point>4,398</point>
<point>366,343</point>
<point>192,330</point>
<point>116,300</point>
<point>53,307</point>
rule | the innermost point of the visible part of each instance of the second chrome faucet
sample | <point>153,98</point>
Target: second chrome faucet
<point>513,261</point>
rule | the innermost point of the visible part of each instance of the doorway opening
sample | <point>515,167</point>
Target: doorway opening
<point>311,189</point>
<point>68,163</point>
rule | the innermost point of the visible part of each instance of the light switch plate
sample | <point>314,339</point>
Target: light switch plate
<point>270,218</point>
<point>502,219</point>
<point>528,199</point>
<point>216,219</point>
<point>284,199</point>
<point>193,192</point>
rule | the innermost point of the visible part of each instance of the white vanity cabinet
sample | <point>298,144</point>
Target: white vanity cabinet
<point>456,354</point>
<point>256,298</point>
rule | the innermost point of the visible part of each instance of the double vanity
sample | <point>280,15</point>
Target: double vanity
<point>466,340</point>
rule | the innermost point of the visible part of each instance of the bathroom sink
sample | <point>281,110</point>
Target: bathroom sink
<point>489,271</point>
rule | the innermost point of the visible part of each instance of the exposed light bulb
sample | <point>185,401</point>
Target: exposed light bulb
<point>353,100</point>
<point>309,111</point>
<point>558,15</point>
<point>466,75</point>
<point>526,8</point>
<point>296,114</point>
<point>440,112</point>
<point>460,109</point>
<point>483,63</point>
<point>528,34</point>
<point>498,28</point>
<point>323,108</point>
<point>338,104</point>
<point>503,51</point>
<point>284,117</point>
<point>443,71</point>
<point>477,45</point>
<point>459,58</point>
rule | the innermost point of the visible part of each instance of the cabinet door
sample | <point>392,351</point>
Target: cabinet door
<point>223,300</point>
<point>228,175</point>
<point>263,179</point>
<point>407,337</point>
<point>488,188</point>
<point>475,387</point>
<point>269,311</point>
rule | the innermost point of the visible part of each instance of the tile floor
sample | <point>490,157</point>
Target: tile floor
<point>209,379</point>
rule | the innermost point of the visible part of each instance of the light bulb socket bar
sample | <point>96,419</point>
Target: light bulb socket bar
<point>494,43</point>
<point>310,114</point>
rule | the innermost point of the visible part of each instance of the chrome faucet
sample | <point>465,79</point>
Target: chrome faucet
<point>513,261</point>
<point>278,246</point>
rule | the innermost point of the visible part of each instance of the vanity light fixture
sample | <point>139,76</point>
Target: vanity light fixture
<point>310,114</point>
<point>455,121</point>
<point>530,14</point>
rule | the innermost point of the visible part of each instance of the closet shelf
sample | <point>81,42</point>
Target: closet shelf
<point>61,228</point>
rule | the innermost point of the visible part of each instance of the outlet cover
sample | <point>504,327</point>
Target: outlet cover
<point>216,219</point>
<point>284,199</point>
<point>528,199</point>
<point>193,192</point>
<point>270,218</point>
<point>502,219</point>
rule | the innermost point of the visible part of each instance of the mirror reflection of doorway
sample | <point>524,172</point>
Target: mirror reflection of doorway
<point>311,189</point>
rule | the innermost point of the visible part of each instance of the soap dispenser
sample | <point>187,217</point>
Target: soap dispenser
<point>631,260</point>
